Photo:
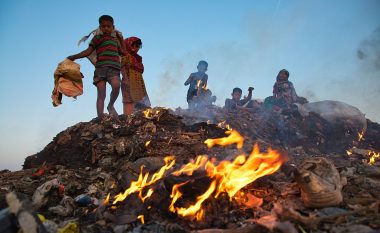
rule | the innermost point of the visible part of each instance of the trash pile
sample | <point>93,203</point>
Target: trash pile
<point>161,170</point>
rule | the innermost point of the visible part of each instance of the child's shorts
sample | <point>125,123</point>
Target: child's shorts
<point>106,74</point>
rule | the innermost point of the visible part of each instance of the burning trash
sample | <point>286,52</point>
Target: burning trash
<point>180,171</point>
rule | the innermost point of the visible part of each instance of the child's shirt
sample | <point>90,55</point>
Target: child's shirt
<point>107,51</point>
<point>194,78</point>
<point>230,104</point>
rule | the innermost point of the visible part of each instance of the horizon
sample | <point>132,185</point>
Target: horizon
<point>331,49</point>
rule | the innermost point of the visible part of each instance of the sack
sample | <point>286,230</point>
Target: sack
<point>67,81</point>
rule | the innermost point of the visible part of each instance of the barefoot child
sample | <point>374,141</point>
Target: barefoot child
<point>196,80</point>
<point>108,49</point>
<point>133,86</point>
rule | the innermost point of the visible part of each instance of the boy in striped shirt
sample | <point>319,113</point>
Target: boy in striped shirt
<point>108,65</point>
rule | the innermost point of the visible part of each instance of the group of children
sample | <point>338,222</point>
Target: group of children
<point>112,56</point>
<point>284,94</point>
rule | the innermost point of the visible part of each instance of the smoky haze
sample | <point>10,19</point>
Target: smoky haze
<point>323,64</point>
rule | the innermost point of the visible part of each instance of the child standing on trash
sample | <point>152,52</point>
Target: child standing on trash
<point>108,49</point>
<point>133,86</point>
<point>196,80</point>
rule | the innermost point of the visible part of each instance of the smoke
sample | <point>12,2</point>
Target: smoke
<point>369,50</point>
<point>169,82</point>
<point>322,66</point>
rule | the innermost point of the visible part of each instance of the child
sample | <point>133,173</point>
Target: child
<point>284,92</point>
<point>196,80</point>
<point>236,102</point>
<point>107,68</point>
<point>133,86</point>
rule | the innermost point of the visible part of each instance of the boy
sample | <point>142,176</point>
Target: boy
<point>236,102</point>
<point>107,67</point>
<point>197,81</point>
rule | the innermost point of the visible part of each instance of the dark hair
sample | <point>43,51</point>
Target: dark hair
<point>105,18</point>
<point>236,89</point>
<point>137,42</point>
<point>202,63</point>
<point>284,70</point>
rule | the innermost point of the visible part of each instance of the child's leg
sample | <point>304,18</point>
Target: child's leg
<point>101,86</point>
<point>128,108</point>
<point>115,84</point>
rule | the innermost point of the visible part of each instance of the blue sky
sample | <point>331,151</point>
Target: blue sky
<point>245,42</point>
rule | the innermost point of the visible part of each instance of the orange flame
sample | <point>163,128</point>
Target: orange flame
<point>360,136</point>
<point>147,143</point>
<point>373,156</point>
<point>142,182</point>
<point>150,113</point>
<point>234,137</point>
<point>141,217</point>
<point>228,177</point>
<point>107,200</point>
<point>225,177</point>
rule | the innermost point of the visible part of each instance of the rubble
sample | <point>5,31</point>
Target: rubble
<point>74,181</point>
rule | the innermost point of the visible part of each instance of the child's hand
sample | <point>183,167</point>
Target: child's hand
<point>251,89</point>
<point>119,35</point>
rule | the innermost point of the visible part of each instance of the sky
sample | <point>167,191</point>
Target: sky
<point>331,49</point>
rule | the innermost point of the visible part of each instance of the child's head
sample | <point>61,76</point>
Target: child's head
<point>136,45</point>
<point>106,24</point>
<point>236,94</point>
<point>283,75</point>
<point>202,66</point>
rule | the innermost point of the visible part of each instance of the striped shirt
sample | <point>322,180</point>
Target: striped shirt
<point>107,51</point>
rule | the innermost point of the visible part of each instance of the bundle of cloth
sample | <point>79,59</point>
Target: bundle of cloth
<point>67,81</point>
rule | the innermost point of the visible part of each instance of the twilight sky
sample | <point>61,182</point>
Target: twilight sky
<point>331,48</point>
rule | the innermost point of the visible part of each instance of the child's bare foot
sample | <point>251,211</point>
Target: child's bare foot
<point>112,111</point>
<point>101,117</point>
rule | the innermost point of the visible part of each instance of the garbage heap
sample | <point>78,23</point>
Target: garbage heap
<point>142,174</point>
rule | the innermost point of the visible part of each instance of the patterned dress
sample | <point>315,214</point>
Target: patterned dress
<point>133,87</point>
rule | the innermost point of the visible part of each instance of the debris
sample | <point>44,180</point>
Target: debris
<point>87,165</point>
<point>320,183</point>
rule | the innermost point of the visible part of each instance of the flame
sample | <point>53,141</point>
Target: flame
<point>373,156</point>
<point>227,177</point>
<point>141,217</point>
<point>234,137</point>
<point>348,152</point>
<point>147,143</point>
<point>360,136</point>
<point>150,113</point>
<point>223,125</point>
<point>107,200</point>
<point>142,182</point>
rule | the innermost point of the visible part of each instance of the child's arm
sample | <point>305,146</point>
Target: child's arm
<point>188,80</point>
<point>120,38</point>
<point>82,54</point>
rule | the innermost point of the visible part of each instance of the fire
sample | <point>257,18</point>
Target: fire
<point>223,125</point>
<point>141,217</point>
<point>373,157</point>
<point>147,143</point>
<point>107,200</point>
<point>360,136</point>
<point>142,182</point>
<point>150,113</point>
<point>348,152</point>
<point>225,177</point>
<point>234,137</point>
